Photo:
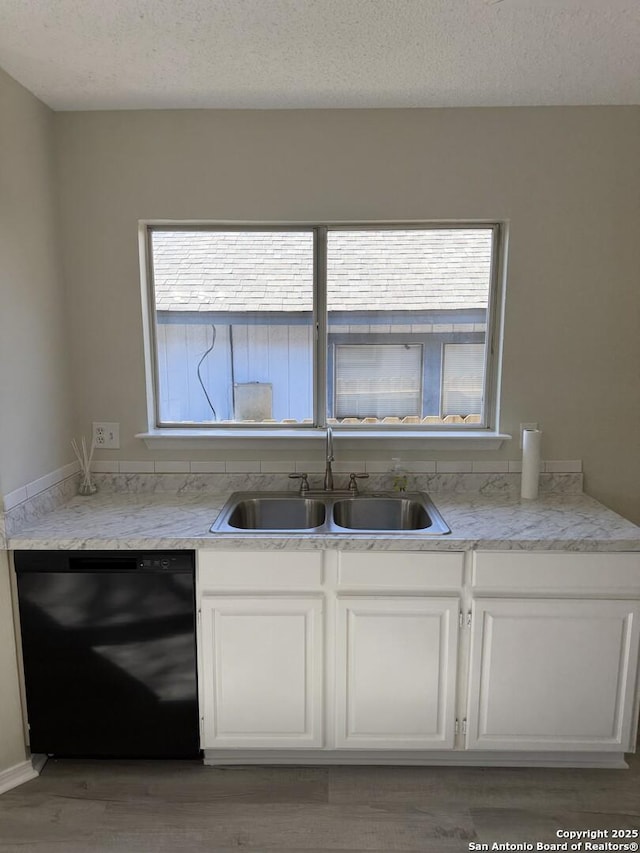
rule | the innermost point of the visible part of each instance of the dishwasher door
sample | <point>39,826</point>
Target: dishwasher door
<point>109,653</point>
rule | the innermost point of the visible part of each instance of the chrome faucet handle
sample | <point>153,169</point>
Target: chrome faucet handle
<point>304,481</point>
<point>353,485</point>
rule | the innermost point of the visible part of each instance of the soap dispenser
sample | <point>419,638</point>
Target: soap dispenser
<point>401,475</point>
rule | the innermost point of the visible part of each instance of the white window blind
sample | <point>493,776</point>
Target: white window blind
<point>378,380</point>
<point>462,379</point>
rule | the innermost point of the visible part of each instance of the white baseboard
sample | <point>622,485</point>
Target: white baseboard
<point>456,758</point>
<point>18,775</point>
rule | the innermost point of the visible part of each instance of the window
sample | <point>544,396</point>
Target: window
<point>462,379</point>
<point>378,380</point>
<point>362,326</point>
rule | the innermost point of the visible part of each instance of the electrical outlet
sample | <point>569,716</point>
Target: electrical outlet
<point>522,429</point>
<point>106,435</point>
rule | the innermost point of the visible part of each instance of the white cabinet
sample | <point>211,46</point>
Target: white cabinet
<point>554,652</point>
<point>401,571</point>
<point>356,657</point>
<point>396,672</point>
<point>261,671</point>
<point>553,675</point>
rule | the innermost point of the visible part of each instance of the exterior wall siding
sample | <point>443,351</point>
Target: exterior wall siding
<point>280,355</point>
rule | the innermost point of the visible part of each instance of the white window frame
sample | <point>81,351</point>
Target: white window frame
<point>160,436</point>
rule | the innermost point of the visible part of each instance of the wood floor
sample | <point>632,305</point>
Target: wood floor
<point>153,807</point>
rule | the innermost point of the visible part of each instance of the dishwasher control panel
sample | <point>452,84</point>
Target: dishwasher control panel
<point>168,562</point>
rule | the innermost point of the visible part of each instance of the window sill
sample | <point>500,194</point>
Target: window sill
<point>201,439</point>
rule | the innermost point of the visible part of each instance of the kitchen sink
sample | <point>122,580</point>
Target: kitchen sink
<point>375,513</point>
<point>277,513</point>
<point>330,512</point>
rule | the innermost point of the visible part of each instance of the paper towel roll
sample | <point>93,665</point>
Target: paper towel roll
<point>531,443</point>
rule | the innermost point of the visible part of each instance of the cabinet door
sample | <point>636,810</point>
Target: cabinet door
<point>261,671</point>
<point>396,672</point>
<point>552,675</point>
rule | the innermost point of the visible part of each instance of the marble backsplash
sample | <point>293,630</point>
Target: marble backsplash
<point>35,507</point>
<point>486,484</point>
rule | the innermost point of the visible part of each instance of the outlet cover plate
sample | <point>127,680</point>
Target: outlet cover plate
<point>106,435</point>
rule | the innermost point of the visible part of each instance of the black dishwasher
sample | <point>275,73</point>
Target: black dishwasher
<point>109,648</point>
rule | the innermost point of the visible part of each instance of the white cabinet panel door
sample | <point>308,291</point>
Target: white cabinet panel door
<point>262,677</point>
<point>396,672</point>
<point>552,674</point>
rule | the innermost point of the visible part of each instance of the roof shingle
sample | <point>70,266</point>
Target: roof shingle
<point>393,270</point>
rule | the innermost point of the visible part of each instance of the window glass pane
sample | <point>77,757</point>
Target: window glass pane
<point>234,313</point>
<point>378,380</point>
<point>462,379</point>
<point>420,288</point>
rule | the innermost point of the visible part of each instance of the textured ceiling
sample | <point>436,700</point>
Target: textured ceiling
<point>134,54</point>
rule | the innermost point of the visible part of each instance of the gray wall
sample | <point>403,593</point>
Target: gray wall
<point>35,399</point>
<point>12,748</point>
<point>566,179</point>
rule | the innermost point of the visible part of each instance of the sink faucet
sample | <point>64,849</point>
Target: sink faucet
<point>328,473</point>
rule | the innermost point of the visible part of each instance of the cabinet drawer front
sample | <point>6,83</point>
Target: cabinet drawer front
<point>537,573</point>
<point>230,570</point>
<point>400,570</point>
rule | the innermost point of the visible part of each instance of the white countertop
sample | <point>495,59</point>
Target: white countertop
<point>181,521</point>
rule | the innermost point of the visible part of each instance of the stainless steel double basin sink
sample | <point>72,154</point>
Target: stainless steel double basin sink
<point>330,512</point>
